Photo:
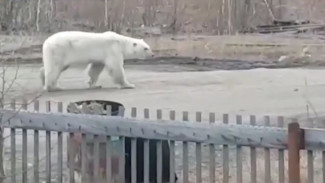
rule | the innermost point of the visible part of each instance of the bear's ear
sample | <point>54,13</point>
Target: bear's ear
<point>134,44</point>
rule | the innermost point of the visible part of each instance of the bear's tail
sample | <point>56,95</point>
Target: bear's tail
<point>42,75</point>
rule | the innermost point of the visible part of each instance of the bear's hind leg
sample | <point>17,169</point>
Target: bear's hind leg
<point>93,73</point>
<point>51,78</point>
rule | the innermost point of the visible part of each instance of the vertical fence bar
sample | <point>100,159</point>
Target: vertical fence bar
<point>133,160</point>
<point>84,163</point>
<point>109,177</point>
<point>159,161</point>
<point>122,155</point>
<point>13,147</point>
<point>172,153</point>
<point>185,154</point>
<point>48,148</point>
<point>281,153</point>
<point>134,151</point>
<point>108,110</point>
<point>159,152</point>
<point>96,159</point>
<point>36,148</point>
<point>24,148</point>
<point>294,138</point>
<point>212,156</point>
<point>71,158</point>
<point>239,172</point>
<point>253,154</point>
<point>225,155</point>
<point>310,164</point>
<point>267,156</point>
<point>60,150</point>
<point>198,152</point>
<point>323,157</point>
<point>108,160</point>
<point>146,152</point>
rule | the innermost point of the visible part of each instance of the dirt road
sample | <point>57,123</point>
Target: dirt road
<point>257,91</point>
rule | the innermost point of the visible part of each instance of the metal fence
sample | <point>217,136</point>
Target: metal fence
<point>199,150</point>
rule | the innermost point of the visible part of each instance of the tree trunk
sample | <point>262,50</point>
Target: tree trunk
<point>38,11</point>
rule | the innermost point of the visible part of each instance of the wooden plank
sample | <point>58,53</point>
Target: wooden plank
<point>24,148</point>
<point>146,160</point>
<point>310,166</point>
<point>71,160</point>
<point>159,114</point>
<point>13,154</point>
<point>172,153</point>
<point>172,115</point>
<point>122,146</point>
<point>60,150</point>
<point>212,156</point>
<point>13,146</point>
<point>48,156</point>
<point>146,152</point>
<point>281,154</point>
<point>294,152</point>
<point>96,159</point>
<point>159,152</point>
<point>134,160</point>
<point>108,160</point>
<point>172,161</point>
<point>253,155</point>
<point>24,157</point>
<point>108,110</point>
<point>198,153</point>
<point>267,156</point>
<point>84,169</point>
<point>134,151</point>
<point>239,170</point>
<point>257,136</point>
<point>133,112</point>
<point>159,161</point>
<point>48,148</point>
<point>225,154</point>
<point>36,148</point>
<point>323,158</point>
<point>122,159</point>
<point>185,153</point>
<point>146,113</point>
<point>121,110</point>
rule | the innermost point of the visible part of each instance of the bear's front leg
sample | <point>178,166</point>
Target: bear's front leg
<point>117,72</point>
<point>51,77</point>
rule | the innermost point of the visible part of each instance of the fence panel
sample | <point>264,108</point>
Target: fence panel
<point>239,164</point>
<point>186,132</point>
<point>281,155</point>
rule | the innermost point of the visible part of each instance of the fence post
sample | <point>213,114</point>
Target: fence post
<point>295,143</point>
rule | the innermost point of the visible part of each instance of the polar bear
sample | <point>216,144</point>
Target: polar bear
<point>99,50</point>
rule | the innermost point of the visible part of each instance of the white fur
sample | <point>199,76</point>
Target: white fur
<point>101,50</point>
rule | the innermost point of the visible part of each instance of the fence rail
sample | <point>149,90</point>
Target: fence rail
<point>121,149</point>
<point>217,134</point>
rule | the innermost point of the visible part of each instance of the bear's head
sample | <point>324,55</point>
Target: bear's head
<point>139,49</point>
